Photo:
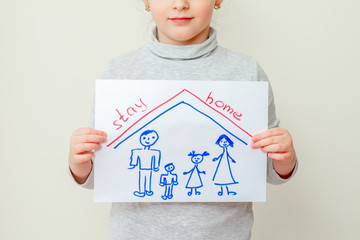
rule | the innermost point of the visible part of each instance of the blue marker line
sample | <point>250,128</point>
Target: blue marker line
<point>216,123</point>
<point>148,124</point>
<point>182,102</point>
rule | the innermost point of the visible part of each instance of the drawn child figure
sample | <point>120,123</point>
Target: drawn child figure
<point>148,161</point>
<point>182,46</point>
<point>195,182</point>
<point>168,181</point>
<point>223,175</point>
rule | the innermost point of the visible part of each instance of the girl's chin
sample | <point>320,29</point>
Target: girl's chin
<point>182,37</point>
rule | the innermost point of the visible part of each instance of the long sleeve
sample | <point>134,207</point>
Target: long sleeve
<point>273,121</point>
<point>89,184</point>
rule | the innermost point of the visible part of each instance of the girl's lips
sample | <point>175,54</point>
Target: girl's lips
<point>181,19</point>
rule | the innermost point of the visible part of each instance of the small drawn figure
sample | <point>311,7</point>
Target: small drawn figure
<point>168,180</point>
<point>223,175</point>
<point>148,161</point>
<point>195,181</point>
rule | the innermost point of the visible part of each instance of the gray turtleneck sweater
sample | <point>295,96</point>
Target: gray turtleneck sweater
<point>205,61</point>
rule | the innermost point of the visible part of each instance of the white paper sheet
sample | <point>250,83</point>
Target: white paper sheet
<point>180,141</point>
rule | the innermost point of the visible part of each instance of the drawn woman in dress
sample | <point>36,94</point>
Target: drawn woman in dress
<point>223,175</point>
<point>195,182</point>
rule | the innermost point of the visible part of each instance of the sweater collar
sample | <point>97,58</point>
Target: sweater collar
<point>186,52</point>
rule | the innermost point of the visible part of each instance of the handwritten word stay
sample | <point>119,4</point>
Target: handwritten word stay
<point>125,115</point>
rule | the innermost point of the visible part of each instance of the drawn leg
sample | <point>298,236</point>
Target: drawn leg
<point>141,192</point>
<point>190,192</point>
<point>170,190</point>
<point>148,183</point>
<point>197,192</point>
<point>230,192</point>
<point>165,196</point>
<point>220,193</point>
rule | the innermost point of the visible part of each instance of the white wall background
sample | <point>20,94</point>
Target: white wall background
<point>51,52</point>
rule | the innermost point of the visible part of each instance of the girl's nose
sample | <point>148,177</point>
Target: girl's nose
<point>181,4</point>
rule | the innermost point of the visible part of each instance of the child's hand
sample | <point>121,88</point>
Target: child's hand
<point>277,142</point>
<point>83,143</point>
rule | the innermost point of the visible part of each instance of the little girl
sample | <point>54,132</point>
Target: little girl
<point>183,46</point>
<point>194,182</point>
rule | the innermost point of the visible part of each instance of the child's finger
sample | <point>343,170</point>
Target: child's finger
<point>90,139</point>
<point>280,156</point>
<point>86,147</point>
<point>269,133</point>
<point>266,141</point>
<point>89,131</point>
<point>274,148</point>
<point>83,158</point>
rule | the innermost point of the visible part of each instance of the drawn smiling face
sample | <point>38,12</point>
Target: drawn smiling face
<point>169,167</point>
<point>224,143</point>
<point>197,159</point>
<point>149,139</point>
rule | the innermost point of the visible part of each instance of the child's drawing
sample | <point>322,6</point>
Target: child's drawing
<point>148,161</point>
<point>195,182</point>
<point>153,125</point>
<point>223,175</point>
<point>168,181</point>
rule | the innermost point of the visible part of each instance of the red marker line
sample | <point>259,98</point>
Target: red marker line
<point>219,112</point>
<point>144,117</point>
<point>169,101</point>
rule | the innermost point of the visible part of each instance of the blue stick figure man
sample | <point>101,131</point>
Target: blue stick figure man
<point>168,180</point>
<point>148,161</point>
<point>195,181</point>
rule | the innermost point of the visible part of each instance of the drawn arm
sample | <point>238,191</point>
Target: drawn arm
<point>134,159</point>
<point>175,182</point>
<point>156,160</point>
<point>188,171</point>
<point>232,159</point>
<point>219,157</point>
<point>162,180</point>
